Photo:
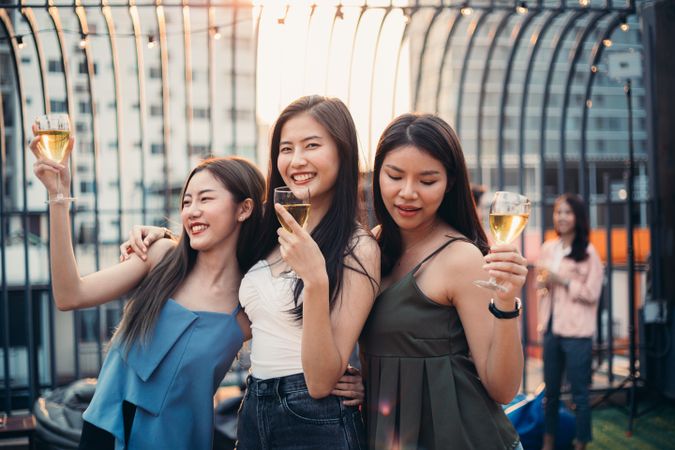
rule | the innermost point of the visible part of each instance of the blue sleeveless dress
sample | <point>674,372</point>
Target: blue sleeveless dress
<point>171,380</point>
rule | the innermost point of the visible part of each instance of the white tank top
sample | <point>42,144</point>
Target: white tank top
<point>276,336</point>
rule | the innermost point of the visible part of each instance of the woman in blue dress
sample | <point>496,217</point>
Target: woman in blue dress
<point>182,326</point>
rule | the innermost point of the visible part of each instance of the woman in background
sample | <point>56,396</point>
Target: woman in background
<point>570,282</point>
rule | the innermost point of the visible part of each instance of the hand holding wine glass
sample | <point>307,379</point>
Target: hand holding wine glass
<point>296,203</point>
<point>509,213</point>
<point>52,146</point>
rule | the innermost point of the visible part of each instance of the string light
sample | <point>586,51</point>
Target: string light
<point>282,20</point>
<point>624,24</point>
<point>589,103</point>
<point>607,42</point>
<point>584,3</point>
<point>151,41</point>
<point>594,69</point>
<point>406,15</point>
<point>216,33</point>
<point>466,10</point>
<point>19,42</point>
<point>522,8</point>
<point>83,40</point>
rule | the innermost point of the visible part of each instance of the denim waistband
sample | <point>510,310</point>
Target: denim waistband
<point>276,386</point>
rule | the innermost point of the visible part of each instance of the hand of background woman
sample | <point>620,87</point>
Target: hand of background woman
<point>508,267</point>
<point>140,238</point>
<point>299,250</point>
<point>46,169</point>
<point>350,386</point>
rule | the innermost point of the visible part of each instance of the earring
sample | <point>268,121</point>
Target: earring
<point>241,218</point>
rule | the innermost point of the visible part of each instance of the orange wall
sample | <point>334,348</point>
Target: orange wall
<point>641,244</point>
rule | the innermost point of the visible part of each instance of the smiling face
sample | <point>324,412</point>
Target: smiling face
<point>308,157</point>
<point>210,214</point>
<point>564,220</point>
<point>412,185</point>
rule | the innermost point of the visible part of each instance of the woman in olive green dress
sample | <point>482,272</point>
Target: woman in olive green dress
<point>438,355</point>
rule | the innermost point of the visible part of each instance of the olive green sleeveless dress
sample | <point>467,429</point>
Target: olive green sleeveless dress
<point>422,388</point>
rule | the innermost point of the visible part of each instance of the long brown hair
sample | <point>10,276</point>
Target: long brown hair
<point>581,226</point>
<point>334,234</point>
<point>243,180</point>
<point>432,135</point>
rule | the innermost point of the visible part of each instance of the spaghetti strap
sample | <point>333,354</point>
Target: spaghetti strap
<point>236,310</point>
<point>435,252</point>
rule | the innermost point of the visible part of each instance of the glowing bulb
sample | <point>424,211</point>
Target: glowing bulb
<point>607,42</point>
<point>624,24</point>
<point>589,103</point>
<point>466,10</point>
<point>83,41</point>
<point>151,41</point>
<point>522,8</point>
<point>19,42</point>
<point>216,33</point>
<point>594,69</point>
<point>584,3</point>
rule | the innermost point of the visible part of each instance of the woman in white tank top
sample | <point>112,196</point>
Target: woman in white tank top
<point>304,327</point>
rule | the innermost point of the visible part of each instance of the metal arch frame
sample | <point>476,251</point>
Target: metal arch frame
<point>573,59</point>
<point>166,123</point>
<point>596,54</point>
<point>211,83</point>
<point>515,45</point>
<point>330,44</point>
<point>404,36</point>
<point>423,51</point>
<point>372,84</point>
<point>32,24</point>
<point>84,28</point>
<point>309,27</point>
<point>56,21</point>
<point>6,23</point>
<point>187,77</point>
<point>467,54</point>
<point>132,10</point>
<point>351,57</point>
<point>481,101</point>
<point>3,260</point>
<point>256,34</point>
<point>233,81</point>
<point>567,27</point>
<point>446,49</point>
<point>119,117</point>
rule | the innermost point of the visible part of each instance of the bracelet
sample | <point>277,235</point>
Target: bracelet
<point>499,314</point>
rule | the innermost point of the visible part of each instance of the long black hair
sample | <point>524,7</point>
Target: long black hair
<point>432,135</point>
<point>243,180</point>
<point>335,233</point>
<point>579,250</point>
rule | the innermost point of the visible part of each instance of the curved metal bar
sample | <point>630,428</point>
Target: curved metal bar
<point>309,27</point>
<point>404,36</point>
<point>56,21</point>
<point>256,36</point>
<point>446,49</point>
<point>351,58</point>
<point>573,59</point>
<point>187,78</point>
<point>423,51</point>
<point>6,23</point>
<point>209,73</point>
<point>481,102</point>
<point>34,28</point>
<point>372,84</point>
<point>233,81</point>
<point>84,28</point>
<point>142,103</point>
<point>465,66</point>
<point>4,294</point>
<point>556,45</point>
<point>119,117</point>
<point>166,132</point>
<point>515,44</point>
<point>330,45</point>
<point>596,54</point>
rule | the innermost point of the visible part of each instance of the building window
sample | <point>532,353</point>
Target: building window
<point>80,127</point>
<point>155,72</point>
<point>86,186</point>
<point>55,66</point>
<point>84,108</point>
<point>83,68</point>
<point>157,149</point>
<point>201,113</point>
<point>58,106</point>
<point>156,110</point>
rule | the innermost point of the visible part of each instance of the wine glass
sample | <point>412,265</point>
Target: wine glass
<point>509,213</point>
<point>54,133</point>
<point>296,202</point>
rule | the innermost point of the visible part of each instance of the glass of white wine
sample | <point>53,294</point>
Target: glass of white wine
<point>296,202</point>
<point>54,133</point>
<point>509,213</point>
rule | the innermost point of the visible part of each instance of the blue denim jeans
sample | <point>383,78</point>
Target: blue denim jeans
<point>573,356</point>
<point>278,413</point>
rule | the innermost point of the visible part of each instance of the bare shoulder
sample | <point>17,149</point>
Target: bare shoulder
<point>363,245</point>
<point>461,256</point>
<point>159,250</point>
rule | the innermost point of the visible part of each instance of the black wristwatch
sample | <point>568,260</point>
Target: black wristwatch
<point>499,314</point>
